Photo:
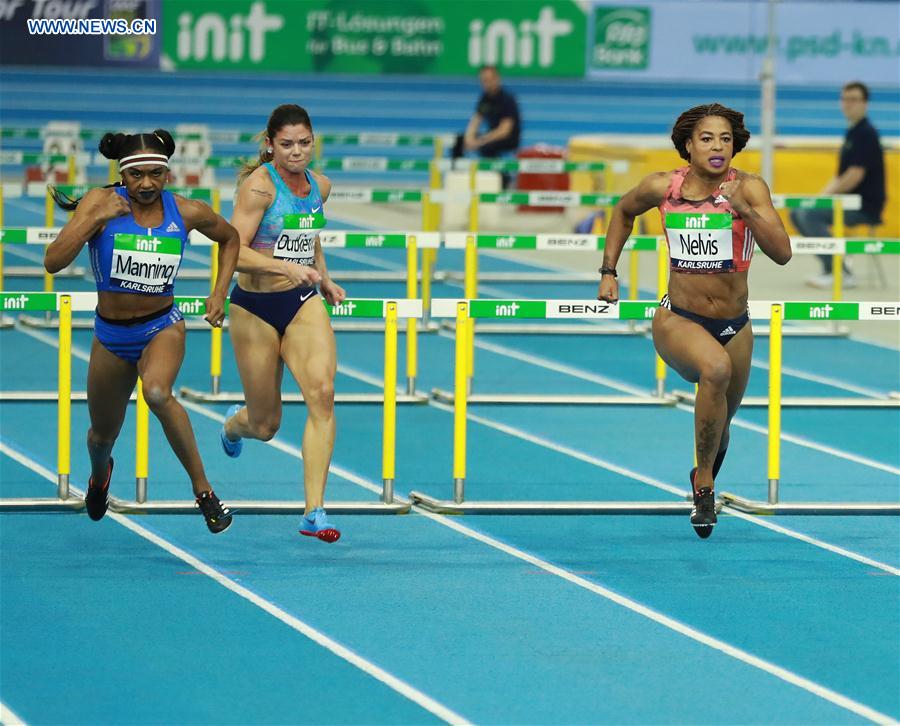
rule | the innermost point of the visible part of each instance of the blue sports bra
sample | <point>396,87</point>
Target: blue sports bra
<point>143,260</point>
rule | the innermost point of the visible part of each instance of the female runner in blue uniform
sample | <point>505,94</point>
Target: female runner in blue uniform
<point>714,215</point>
<point>136,232</point>
<point>276,317</point>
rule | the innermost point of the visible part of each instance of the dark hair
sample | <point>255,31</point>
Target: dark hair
<point>858,86</point>
<point>287,114</point>
<point>684,126</point>
<point>118,146</point>
<point>489,67</point>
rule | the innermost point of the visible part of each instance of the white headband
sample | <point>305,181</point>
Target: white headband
<point>143,159</point>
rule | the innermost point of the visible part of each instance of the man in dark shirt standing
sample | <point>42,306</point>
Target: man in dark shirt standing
<point>498,109</point>
<point>860,171</point>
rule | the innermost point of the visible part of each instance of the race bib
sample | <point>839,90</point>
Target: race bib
<point>297,240</point>
<point>144,263</point>
<point>700,241</point>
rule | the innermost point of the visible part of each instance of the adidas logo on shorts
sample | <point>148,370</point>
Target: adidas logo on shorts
<point>173,227</point>
<point>728,331</point>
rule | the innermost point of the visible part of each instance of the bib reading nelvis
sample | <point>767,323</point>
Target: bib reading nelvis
<point>700,241</point>
<point>297,240</point>
<point>144,263</point>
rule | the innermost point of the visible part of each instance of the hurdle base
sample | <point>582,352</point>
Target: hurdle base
<point>35,271</point>
<point>560,329</point>
<point>801,331</point>
<point>192,394</point>
<point>42,504</point>
<point>805,401</point>
<point>750,506</point>
<point>254,506</point>
<point>38,396</point>
<point>449,397</point>
<point>447,506</point>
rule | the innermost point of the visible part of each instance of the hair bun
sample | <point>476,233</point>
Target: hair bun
<point>167,141</point>
<point>111,144</point>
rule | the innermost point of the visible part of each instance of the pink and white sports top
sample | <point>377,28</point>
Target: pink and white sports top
<point>704,236</point>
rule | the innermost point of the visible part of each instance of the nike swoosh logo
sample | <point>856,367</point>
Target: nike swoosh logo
<point>307,296</point>
<point>316,209</point>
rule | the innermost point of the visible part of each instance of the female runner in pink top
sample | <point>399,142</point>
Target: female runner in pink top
<point>713,216</point>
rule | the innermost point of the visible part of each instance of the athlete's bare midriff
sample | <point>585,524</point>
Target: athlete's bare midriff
<point>713,296</point>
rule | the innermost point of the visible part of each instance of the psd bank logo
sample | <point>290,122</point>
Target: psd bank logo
<point>621,38</point>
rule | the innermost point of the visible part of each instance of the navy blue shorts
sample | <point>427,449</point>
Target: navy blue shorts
<point>722,329</point>
<point>128,338</point>
<point>276,308</point>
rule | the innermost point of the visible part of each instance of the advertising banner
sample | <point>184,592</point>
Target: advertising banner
<point>823,43</point>
<point>80,32</point>
<point>526,38</point>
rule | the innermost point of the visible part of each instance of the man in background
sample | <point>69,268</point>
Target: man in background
<point>860,171</point>
<point>498,110</point>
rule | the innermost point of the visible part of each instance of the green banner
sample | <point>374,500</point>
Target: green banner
<point>632,310</point>
<point>356,309</point>
<point>508,309</point>
<point>821,311</point>
<point>693,220</point>
<point>14,235</point>
<point>15,301</point>
<point>873,247</point>
<point>378,241</point>
<point>435,37</point>
<point>506,242</point>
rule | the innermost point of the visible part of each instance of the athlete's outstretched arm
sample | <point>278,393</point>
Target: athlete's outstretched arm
<point>645,196</point>
<point>749,196</point>
<point>94,210</point>
<point>331,291</point>
<point>198,216</point>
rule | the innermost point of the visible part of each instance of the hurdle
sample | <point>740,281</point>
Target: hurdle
<point>371,308</point>
<point>805,311</point>
<point>475,309</point>
<point>813,312</point>
<point>64,303</point>
<point>467,310</point>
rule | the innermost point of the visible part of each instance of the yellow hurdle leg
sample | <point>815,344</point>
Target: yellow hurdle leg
<point>215,341</point>
<point>774,402</point>
<point>412,290</point>
<point>389,441</point>
<point>64,404</point>
<point>142,446</point>
<point>459,404</point>
<point>470,287</point>
<point>662,284</point>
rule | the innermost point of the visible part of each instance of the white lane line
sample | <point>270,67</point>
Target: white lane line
<point>210,414</point>
<point>763,522</point>
<point>809,444</point>
<point>8,717</point>
<point>391,681</point>
<point>681,493</point>
<point>824,380</point>
<point>625,388</point>
<point>568,451</point>
<point>783,674</point>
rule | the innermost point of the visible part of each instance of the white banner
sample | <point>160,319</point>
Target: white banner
<point>822,43</point>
